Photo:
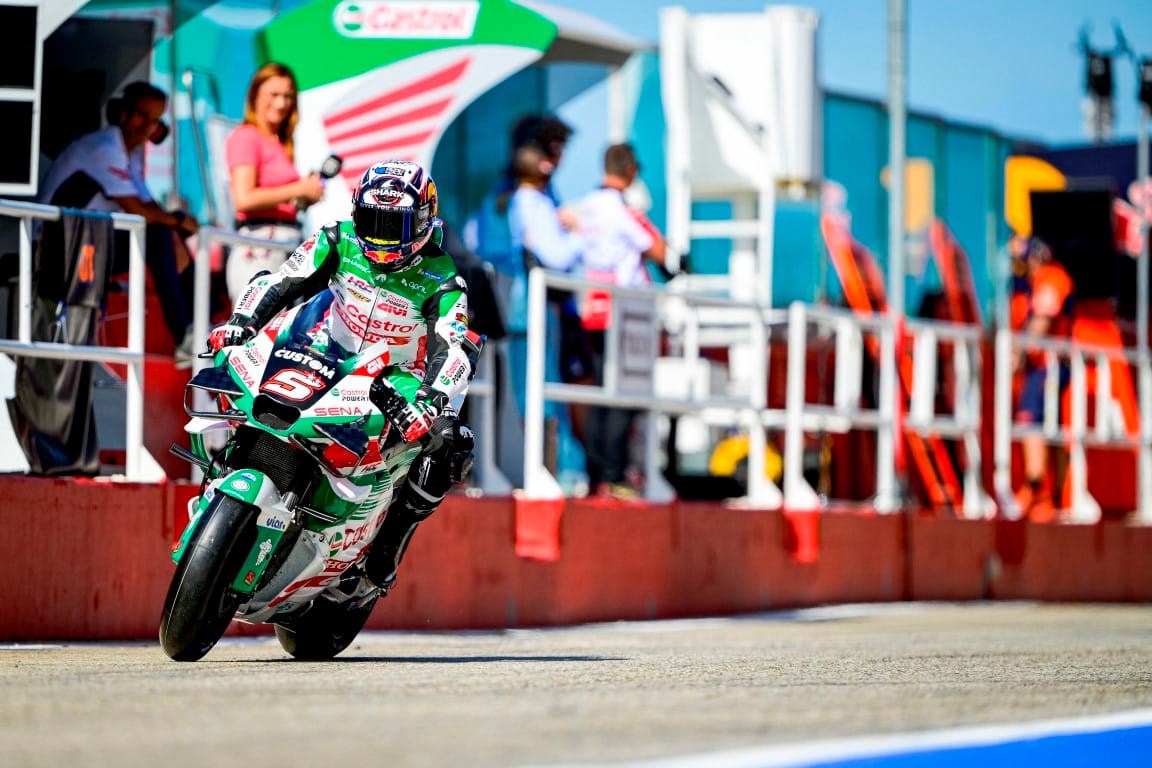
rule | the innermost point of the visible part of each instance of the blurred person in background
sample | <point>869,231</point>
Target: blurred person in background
<point>549,134</point>
<point>268,192</point>
<point>487,232</point>
<point>1050,295</point>
<point>52,411</point>
<point>104,171</point>
<point>546,236</point>
<point>619,242</point>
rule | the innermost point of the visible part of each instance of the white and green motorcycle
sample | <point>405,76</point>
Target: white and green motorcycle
<point>288,508</point>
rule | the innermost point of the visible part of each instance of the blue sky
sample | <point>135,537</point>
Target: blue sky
<point>1011,65</point>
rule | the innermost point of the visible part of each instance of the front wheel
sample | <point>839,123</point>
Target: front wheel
<point>201,602</point>
<point>326,629</point>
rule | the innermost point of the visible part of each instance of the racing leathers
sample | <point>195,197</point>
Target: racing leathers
<point>422,311</point>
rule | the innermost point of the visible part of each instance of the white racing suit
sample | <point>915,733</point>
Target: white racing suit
<point>422,311</point>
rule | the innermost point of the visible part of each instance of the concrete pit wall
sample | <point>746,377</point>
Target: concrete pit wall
<point>89,560</point>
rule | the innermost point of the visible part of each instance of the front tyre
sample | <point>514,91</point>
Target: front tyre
<point>200,602</point>
<point>326,629</point>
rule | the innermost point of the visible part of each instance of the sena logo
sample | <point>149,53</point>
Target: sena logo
<point>340,410</point>
<point>242,371</point>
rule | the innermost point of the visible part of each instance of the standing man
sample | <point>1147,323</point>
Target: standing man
<point>618,243</point>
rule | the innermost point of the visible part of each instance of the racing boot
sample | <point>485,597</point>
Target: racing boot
<point>403,518</point>
<point>430,478</point>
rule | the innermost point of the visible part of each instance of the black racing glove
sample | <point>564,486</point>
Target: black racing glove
<point>230,334</point>
<point>413,420</point>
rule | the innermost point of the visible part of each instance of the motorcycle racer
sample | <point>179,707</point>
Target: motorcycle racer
<point>390,280</point>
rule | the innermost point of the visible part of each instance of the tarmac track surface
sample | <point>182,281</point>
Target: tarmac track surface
<point>590,695</point>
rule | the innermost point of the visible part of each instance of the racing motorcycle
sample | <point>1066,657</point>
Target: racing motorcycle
<point>289,506</point>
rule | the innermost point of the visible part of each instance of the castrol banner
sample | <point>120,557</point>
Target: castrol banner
<point>383,79</point>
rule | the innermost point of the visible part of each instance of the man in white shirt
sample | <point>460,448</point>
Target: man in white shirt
<point>618,243</point>
<point>541,233</point>
<point>104,171</point>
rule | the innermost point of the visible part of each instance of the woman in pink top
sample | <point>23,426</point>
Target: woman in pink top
<point>267,191</point>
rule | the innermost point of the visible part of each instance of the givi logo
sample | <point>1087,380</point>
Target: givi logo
<point>406,18</point>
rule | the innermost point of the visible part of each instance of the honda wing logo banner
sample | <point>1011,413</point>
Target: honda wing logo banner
<point>445,19</point>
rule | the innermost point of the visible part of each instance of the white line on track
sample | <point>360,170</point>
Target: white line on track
<point>28,647</point>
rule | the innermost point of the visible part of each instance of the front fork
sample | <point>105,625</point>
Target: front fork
<point>275,515</point>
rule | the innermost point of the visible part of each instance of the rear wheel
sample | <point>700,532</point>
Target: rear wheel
<point>201,602</point>
<point>326,629</point>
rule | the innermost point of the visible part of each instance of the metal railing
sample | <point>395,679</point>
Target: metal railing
<point>742,321</point>
<point>132,355</point>
<point>702,321</point>
<point>852,332</point>
<point>698,322</point>
<point>908,401</point>
<point>1106,430</point>
<point>960,416</point>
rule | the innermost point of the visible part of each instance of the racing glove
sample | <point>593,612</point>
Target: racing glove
<point>230,334</point>
<point>413,420</point>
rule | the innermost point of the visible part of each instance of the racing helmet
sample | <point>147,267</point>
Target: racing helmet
<point>394,213</point>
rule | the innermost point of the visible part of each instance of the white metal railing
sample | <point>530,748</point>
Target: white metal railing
<point>744,321</point>
<point>132,355</point>
<point>962,418</point>
<point>852,332</point>
<point>1107,429</point>
<point>700,321</point>
<point>926,417</point>
<point>907,387</point>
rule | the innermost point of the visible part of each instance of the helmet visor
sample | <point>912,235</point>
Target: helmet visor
<point>389,229</point>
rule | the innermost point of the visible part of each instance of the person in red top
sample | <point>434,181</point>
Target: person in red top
<point>268,192</point>
<point>1050,298</point>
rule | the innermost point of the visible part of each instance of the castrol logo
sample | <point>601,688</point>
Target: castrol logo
<point>406,19</point>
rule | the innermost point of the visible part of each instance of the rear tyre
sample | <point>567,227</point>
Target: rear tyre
<point>325,630</point>
<point>201,602</point>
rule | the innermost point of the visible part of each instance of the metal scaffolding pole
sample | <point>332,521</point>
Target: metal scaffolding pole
<point>890,400</point>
